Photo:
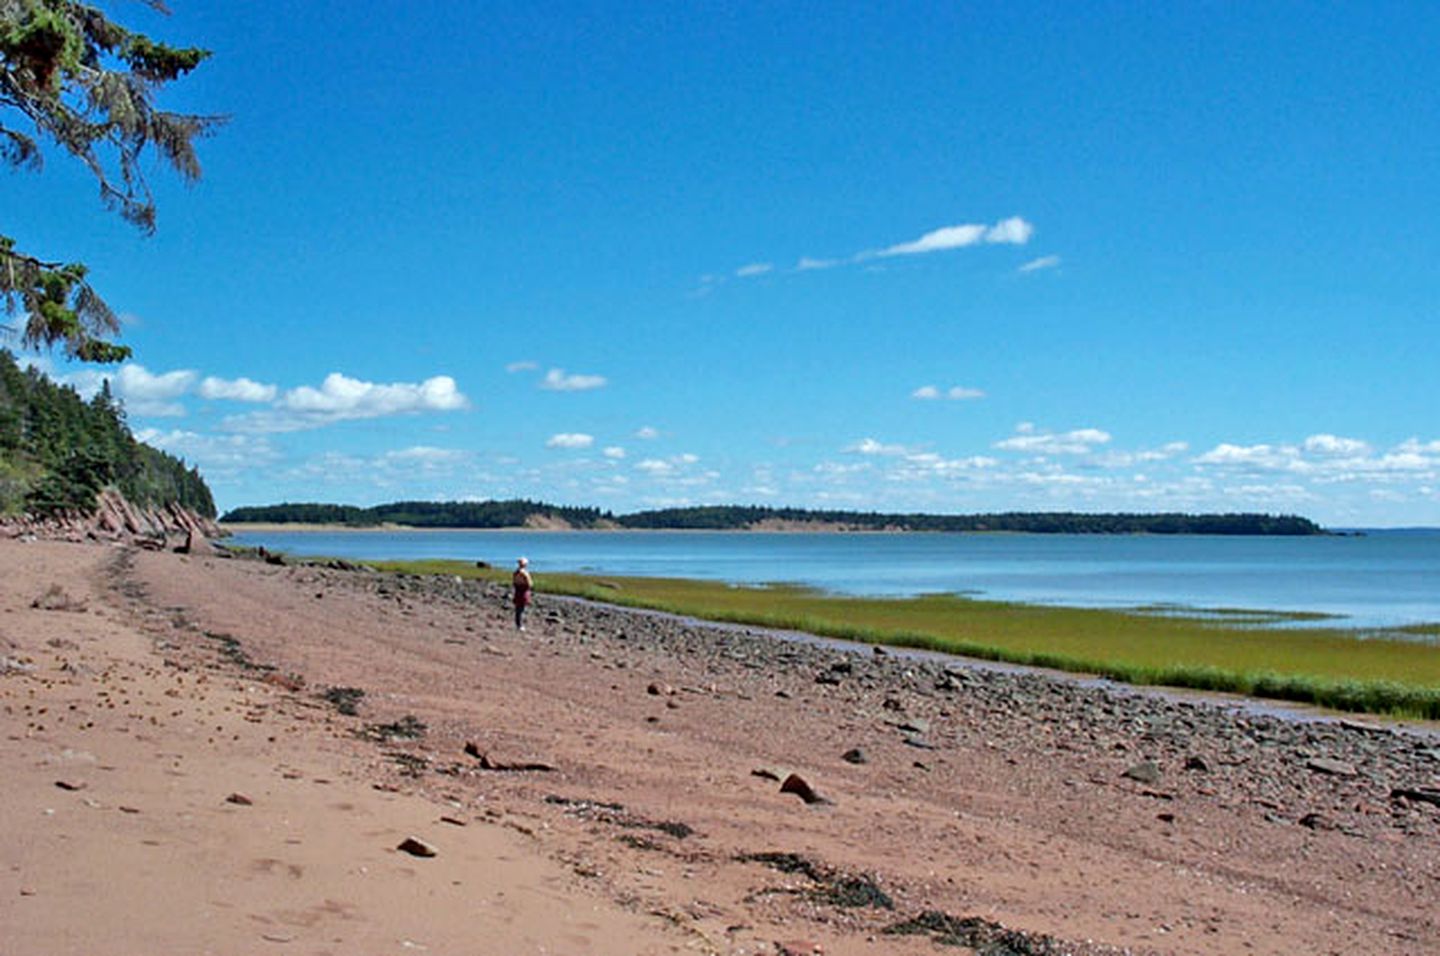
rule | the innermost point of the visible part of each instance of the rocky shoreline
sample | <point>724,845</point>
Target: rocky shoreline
<point>116,520</point>
<point>1301,768</point>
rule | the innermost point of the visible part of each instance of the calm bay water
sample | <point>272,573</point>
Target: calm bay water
<point>1384,578</point>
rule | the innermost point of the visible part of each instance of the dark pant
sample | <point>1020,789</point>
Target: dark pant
<point>519,615</point>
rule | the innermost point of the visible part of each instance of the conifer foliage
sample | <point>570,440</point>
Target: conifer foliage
<point>72,78</point>
<point>58,450</point>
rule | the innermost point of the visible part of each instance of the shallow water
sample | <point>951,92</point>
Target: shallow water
<point>1381,579</point>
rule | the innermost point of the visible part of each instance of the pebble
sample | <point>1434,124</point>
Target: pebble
<point>416,847</point>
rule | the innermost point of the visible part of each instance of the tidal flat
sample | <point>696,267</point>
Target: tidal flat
<point>1393,672</point>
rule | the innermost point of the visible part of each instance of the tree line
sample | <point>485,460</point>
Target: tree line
<point>57,451</point>
<point>420,514</point>
<point>516,513</point>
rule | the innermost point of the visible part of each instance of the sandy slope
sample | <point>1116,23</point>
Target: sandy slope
<point>149,699</point>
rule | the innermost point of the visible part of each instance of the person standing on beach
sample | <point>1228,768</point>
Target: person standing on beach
<point>523,586</point>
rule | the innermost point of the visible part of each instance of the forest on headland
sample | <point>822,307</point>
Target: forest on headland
<point>519,513</point>
<point>58,451</point>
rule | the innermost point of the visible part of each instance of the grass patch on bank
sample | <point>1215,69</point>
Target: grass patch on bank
<point>1328,667</point>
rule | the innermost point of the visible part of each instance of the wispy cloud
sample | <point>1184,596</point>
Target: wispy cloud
<point>522,366</point>
<point>955,393</point>
<point>871,446</point>
<point>1335,445</point>
<point>236,390</point>
<point>614,452</point>
<point>1326,458</point>
<point>1028,439</point>
<point>1013,231</point>
<point>217,455</point>
<point>557,380</point>
<point>646,433</point>
<point>1036,265</point>
<point>570,440</point>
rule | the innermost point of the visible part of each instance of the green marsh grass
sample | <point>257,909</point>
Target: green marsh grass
<point>1329,667</point>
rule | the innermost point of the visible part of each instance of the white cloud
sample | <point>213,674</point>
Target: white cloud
<point>1077,442</point>
<point>570,440</point>
<point>216,455</point>
<point>1415,446</point>
<point>1125,459</point>
<point>523,366</point>
<point>1036,265</point>
<point>1334,445</point>
<point>142,391</point>
<point>870,446</point>
<point>614,452</point>
<point>341,398</point>
<point>237,390</point>
<point>1012,231</point>
<point>646,433</point>
<point>676,469</point>
<point>947,237</point>
<point>557,381</point>
<point>956,393</point>
<point>425,454</point>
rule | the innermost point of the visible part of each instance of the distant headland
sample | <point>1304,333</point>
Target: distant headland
<point>536,515</point>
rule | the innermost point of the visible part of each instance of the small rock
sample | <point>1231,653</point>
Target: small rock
<point>854,755</point>
<point>1419,796</point>
<point>239,799</point>
<point>765,774</point>
<point>1334,768</point>
<point>416,847</point>
<point>1165,817</point>
<point>67,785</point>
<point>796,784</point>
<point>1196,763</point>
<point>915,726</point>
<point>1317,821</point>
<point>453,821</point>
<point>798,947</point>
<point>1146,771</point>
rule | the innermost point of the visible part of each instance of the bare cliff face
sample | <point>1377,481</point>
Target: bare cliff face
<point>116,519</point>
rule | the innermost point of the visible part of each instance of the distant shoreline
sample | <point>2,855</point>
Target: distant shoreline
<point>264,527</point>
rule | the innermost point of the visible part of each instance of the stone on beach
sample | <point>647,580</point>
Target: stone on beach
<point>416,847</point>
<point>797,785</point>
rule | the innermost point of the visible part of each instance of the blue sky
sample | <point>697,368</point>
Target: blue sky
<point>943,257</point>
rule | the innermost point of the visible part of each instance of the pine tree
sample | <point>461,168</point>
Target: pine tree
<point>72,77</point>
